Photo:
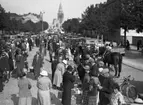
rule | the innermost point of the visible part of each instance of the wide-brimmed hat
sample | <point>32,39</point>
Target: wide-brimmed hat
<point>44,73</point>
<point>100,70</point>
<point>65,62</point>
<point>31,67</point>
<point>139,101</point>
<point>109,47</point>
<point>105,70</point>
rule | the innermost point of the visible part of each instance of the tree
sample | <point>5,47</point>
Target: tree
<point>2,18</point>
<point>131,16</point>
<point>38,26</point>
<point>138,10</point>
<point>94,19</point>
<point>72,25</point>
<point>13,23</point>
<point>45,25</point>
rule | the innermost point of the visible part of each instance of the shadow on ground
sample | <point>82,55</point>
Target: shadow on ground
<point>55,100</point>
<point>133,55</point>
<point>138,85</point>
<point>15,100</point>
<point>13,74</point>
<point>30,75</point>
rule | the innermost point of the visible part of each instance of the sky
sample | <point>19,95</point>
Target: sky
<point>71,8</point>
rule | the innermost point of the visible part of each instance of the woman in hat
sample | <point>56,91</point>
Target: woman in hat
<point>44,85</point>
<point>19,62</point>
<point>24,85</point>
<point>68,80</point>
<point>58,76</point>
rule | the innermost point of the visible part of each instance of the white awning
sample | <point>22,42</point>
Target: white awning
<point>131,33</point>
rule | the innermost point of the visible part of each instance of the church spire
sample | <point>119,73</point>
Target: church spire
<point>60,14</point>
<point>60,8</point>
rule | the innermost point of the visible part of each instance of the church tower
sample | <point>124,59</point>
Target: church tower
<point>60,14</point>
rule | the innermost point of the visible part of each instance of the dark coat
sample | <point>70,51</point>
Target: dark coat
<point>86,80</point>
<point>19,63</point>
<point>37,64</point>
<point>81,72</point>
<point>107,84</point>
<point>1,80</point>
<point>4,63</point>
<point>94,70</point>
<point>30,42</point>
<point>11,66</point>
<point>68,80</point>
<point>53,66</point>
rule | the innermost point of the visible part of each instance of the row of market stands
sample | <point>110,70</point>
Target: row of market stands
<point>71,40</point>
<point>76,92</point>
<point>96,43</point>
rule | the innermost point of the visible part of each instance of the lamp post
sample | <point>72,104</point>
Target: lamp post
<point>42,20</point>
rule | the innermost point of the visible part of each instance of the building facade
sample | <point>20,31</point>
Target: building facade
<point>57,22</point>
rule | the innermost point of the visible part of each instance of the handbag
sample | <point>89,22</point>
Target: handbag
<point>29,86</point>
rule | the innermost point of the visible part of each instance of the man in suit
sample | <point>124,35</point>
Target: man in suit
<point>68,80</point>
<point>30,44</point>
<point>53,66</point>
<point>50,48</point>
<point>37,64</point>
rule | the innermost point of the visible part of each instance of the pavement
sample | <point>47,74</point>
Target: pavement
<point>133,58</point>
<point>10,93</point>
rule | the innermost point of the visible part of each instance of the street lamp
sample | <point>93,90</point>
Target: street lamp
<point>42,19</point>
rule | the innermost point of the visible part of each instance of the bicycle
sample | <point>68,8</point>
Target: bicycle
<point>128,90</point>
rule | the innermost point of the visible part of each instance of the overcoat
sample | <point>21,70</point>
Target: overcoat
<point>37,64</point>
<point>68,80</point>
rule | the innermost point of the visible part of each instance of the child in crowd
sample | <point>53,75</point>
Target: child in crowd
<point>117,97</point>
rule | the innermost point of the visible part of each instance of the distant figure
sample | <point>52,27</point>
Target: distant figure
<point>53,66</point>
<point>138,44</point>
<point>127,45</point>
<point>1,80</point>
<point>30,44</point>
<point>19,62</point>
<point>37,64</point>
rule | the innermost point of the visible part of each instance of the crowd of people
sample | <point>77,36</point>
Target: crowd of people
<point>68,66</point>
<point>95,81</point>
